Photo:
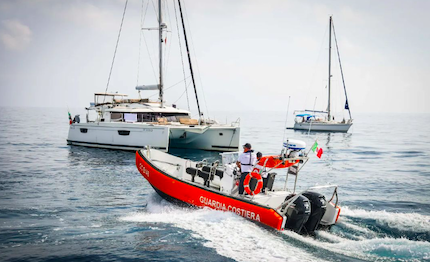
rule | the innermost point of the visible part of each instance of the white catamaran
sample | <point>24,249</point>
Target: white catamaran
<point>132,124</point>
<point>324,120</point>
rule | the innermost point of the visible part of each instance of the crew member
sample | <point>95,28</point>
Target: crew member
<point>262,171</point>
<point>245,162</point>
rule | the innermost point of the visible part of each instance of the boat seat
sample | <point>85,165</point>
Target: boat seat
<point>270,181</point>
<point>194,171</point>
<point>218,172</point>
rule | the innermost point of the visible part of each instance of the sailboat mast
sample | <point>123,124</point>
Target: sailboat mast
<point>160,33</point>
<point>329,68</point>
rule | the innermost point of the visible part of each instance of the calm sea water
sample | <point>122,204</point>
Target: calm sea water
<point>73,203</point>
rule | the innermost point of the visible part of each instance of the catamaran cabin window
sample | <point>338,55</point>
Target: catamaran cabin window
<point>147,117</point>
<point>174,117</point>
<point>130,117</point>
<point>116,117</point>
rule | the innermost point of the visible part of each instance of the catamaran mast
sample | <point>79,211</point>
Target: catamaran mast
<point>189,58</point>
<point>329,69</point>
<point>161,26</point>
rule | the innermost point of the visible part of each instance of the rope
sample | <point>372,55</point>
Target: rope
<point>155,10</point>
<point>116,47</point>
<point>310,124</point>
<point>286,118</point>
<point>149,56</point>
<point>172,85</point>
<point>142,20</point>
<point>195,58</point>
<point>315,67</point>
<point>168,46</point>
<point>182,93</point>
<point>182,57</point>
<point>341,71</point>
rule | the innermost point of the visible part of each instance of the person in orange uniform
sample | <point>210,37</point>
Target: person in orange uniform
<point>245,162</point>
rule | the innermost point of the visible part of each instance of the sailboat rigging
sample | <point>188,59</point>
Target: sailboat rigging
<point>324,120</point>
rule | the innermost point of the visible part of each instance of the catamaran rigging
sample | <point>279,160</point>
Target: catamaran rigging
<point>189,58</point>
<point>123,123</point>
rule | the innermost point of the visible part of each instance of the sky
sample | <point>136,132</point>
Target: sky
<point>248,55</point>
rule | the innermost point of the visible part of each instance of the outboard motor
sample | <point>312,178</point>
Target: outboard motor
<point>294,148</point>
<point>298,213</point>
<point>318,208</point>
<point>76,119</point>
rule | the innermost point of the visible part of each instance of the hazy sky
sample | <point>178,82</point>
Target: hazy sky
<point>248,55</point>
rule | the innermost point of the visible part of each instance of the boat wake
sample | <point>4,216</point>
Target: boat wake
<point>230,235</point>
<point>374,235</point>
<point>360,234</point>
<point>404,223</point>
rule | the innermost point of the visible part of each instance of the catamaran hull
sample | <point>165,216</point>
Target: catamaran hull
<point>225,139</point>
<point>323,127</point>
<point>178,190</point>
<point>124,136</point>
<point>128,136</point>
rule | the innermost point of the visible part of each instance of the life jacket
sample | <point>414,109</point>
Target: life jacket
<point>250,158</point>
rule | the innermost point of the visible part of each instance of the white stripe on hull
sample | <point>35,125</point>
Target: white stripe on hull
<point>118,147</point>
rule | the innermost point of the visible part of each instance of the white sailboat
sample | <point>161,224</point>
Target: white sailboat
<point>324,120</point>
<point>132,124</point>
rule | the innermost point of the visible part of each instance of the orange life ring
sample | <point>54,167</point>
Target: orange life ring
<point>259,183</point>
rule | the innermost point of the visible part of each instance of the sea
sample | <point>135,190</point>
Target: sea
<point>71,203</point>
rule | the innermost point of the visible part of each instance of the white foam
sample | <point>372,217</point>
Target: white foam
<point>363,232</point>
<point>347,223</point>
<point>230,235</point>
<point>369,249</point>
<point>330,237</point>
<point>402,221</point>
<point>242,240</point>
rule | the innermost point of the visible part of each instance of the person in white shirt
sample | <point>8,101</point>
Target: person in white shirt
<point>246,163</point>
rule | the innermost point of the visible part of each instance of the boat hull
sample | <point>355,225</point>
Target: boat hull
<point>323,126</point>
<point>192,194</point>
<point>219,138</point>
<point>132,136</point>
<point>124,136</point>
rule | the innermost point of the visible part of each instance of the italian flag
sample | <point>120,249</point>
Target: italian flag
<point>70,118</point>
<point>317,150</point>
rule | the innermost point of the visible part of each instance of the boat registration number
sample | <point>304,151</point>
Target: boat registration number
<point>143,170</point>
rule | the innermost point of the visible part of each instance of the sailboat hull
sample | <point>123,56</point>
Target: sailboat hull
<point>323,126</point>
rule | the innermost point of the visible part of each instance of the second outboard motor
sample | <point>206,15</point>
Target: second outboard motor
<point>318,208</point>
<point>298,213</point>
<point>76,119</point>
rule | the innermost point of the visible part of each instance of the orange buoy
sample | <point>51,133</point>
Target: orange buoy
<point>259,183</point>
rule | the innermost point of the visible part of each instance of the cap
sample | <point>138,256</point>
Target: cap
<point>259,154</point>
<point>247,145</point>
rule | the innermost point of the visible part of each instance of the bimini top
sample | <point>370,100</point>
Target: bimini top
<point>302,115</point>
<point>109,94</point>
<point>142,108</point>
